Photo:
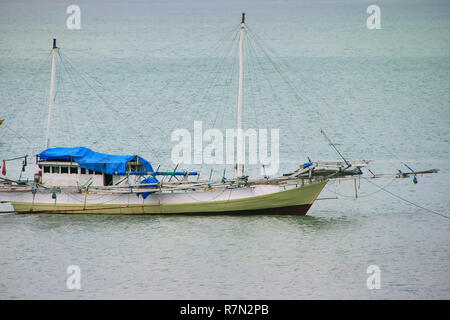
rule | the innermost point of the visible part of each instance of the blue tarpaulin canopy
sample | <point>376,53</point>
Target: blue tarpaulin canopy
<point>151,182</point>
<point>91,160</point>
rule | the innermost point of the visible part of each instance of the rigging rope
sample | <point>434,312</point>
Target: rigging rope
<point>406,200</point>
<point>362,194</point>
<point>20,111</point>
<point>78,87</point>
<point>108,105</point>
<point>254,42</point>
<point>262,43</point>
<point>63,58</point>
<point>254,37</point>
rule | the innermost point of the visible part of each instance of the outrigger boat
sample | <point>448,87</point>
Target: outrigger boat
<point>79,180</point>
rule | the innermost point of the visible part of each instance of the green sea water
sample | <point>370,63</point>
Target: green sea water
<point>137,70</point>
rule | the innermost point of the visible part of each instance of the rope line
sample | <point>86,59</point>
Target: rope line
<point>406,200</point>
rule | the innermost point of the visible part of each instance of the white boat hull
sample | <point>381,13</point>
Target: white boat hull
<point>260,199</point>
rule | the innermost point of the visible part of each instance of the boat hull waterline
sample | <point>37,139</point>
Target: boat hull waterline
<point>295,201</point>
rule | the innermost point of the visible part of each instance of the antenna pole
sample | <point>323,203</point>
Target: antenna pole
<point>240,142</point>
<point>52,93</point>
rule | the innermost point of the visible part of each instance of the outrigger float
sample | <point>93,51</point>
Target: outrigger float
<point>79,180</point>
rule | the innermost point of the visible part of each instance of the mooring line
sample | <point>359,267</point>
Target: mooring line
<point>406,200</point>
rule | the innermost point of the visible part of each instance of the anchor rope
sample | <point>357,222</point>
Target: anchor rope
<point>406,200</point>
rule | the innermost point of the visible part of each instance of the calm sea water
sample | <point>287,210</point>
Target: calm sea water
<point>159,65</point>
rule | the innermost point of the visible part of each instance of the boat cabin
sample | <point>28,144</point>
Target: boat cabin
<point>82,166</point>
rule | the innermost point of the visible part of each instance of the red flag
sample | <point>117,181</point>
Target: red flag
<point>1,121</point>
<point>4,168</point>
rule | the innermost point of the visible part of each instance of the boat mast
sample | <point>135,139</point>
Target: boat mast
<point>52,92</point>
<point>240,142</point>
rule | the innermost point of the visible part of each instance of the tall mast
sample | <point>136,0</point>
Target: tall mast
<point>240,142</point>
<point>52,93</point>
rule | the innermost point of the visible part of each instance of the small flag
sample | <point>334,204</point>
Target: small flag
<point>4,168</point>
<point>1,121</point>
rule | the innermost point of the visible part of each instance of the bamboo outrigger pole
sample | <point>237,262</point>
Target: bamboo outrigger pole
<point>334,147</point>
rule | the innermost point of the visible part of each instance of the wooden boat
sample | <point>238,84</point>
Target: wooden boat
<point>79,180</point>
<point>66,186</point>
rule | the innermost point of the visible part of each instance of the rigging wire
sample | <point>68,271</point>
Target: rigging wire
<point>328,104</point>
<point>210,89</point>
<point>16,133</point>
<point>255,41</point>
<point>382,188</point>
<point>189,40</point>
<point>60,98</point>
<point>19,109</point>
<point>188,73</point>
<point>230,77</point>
<point>218,72</point>
<point>278,69</point>
<point>254,95</point>
<point>273,91</point>
<point>406,200</point>
<point>107,104</point>
<point>362,194</point>
<point>77,85</point>
<point>195,106</point>
<point>34,76</point>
